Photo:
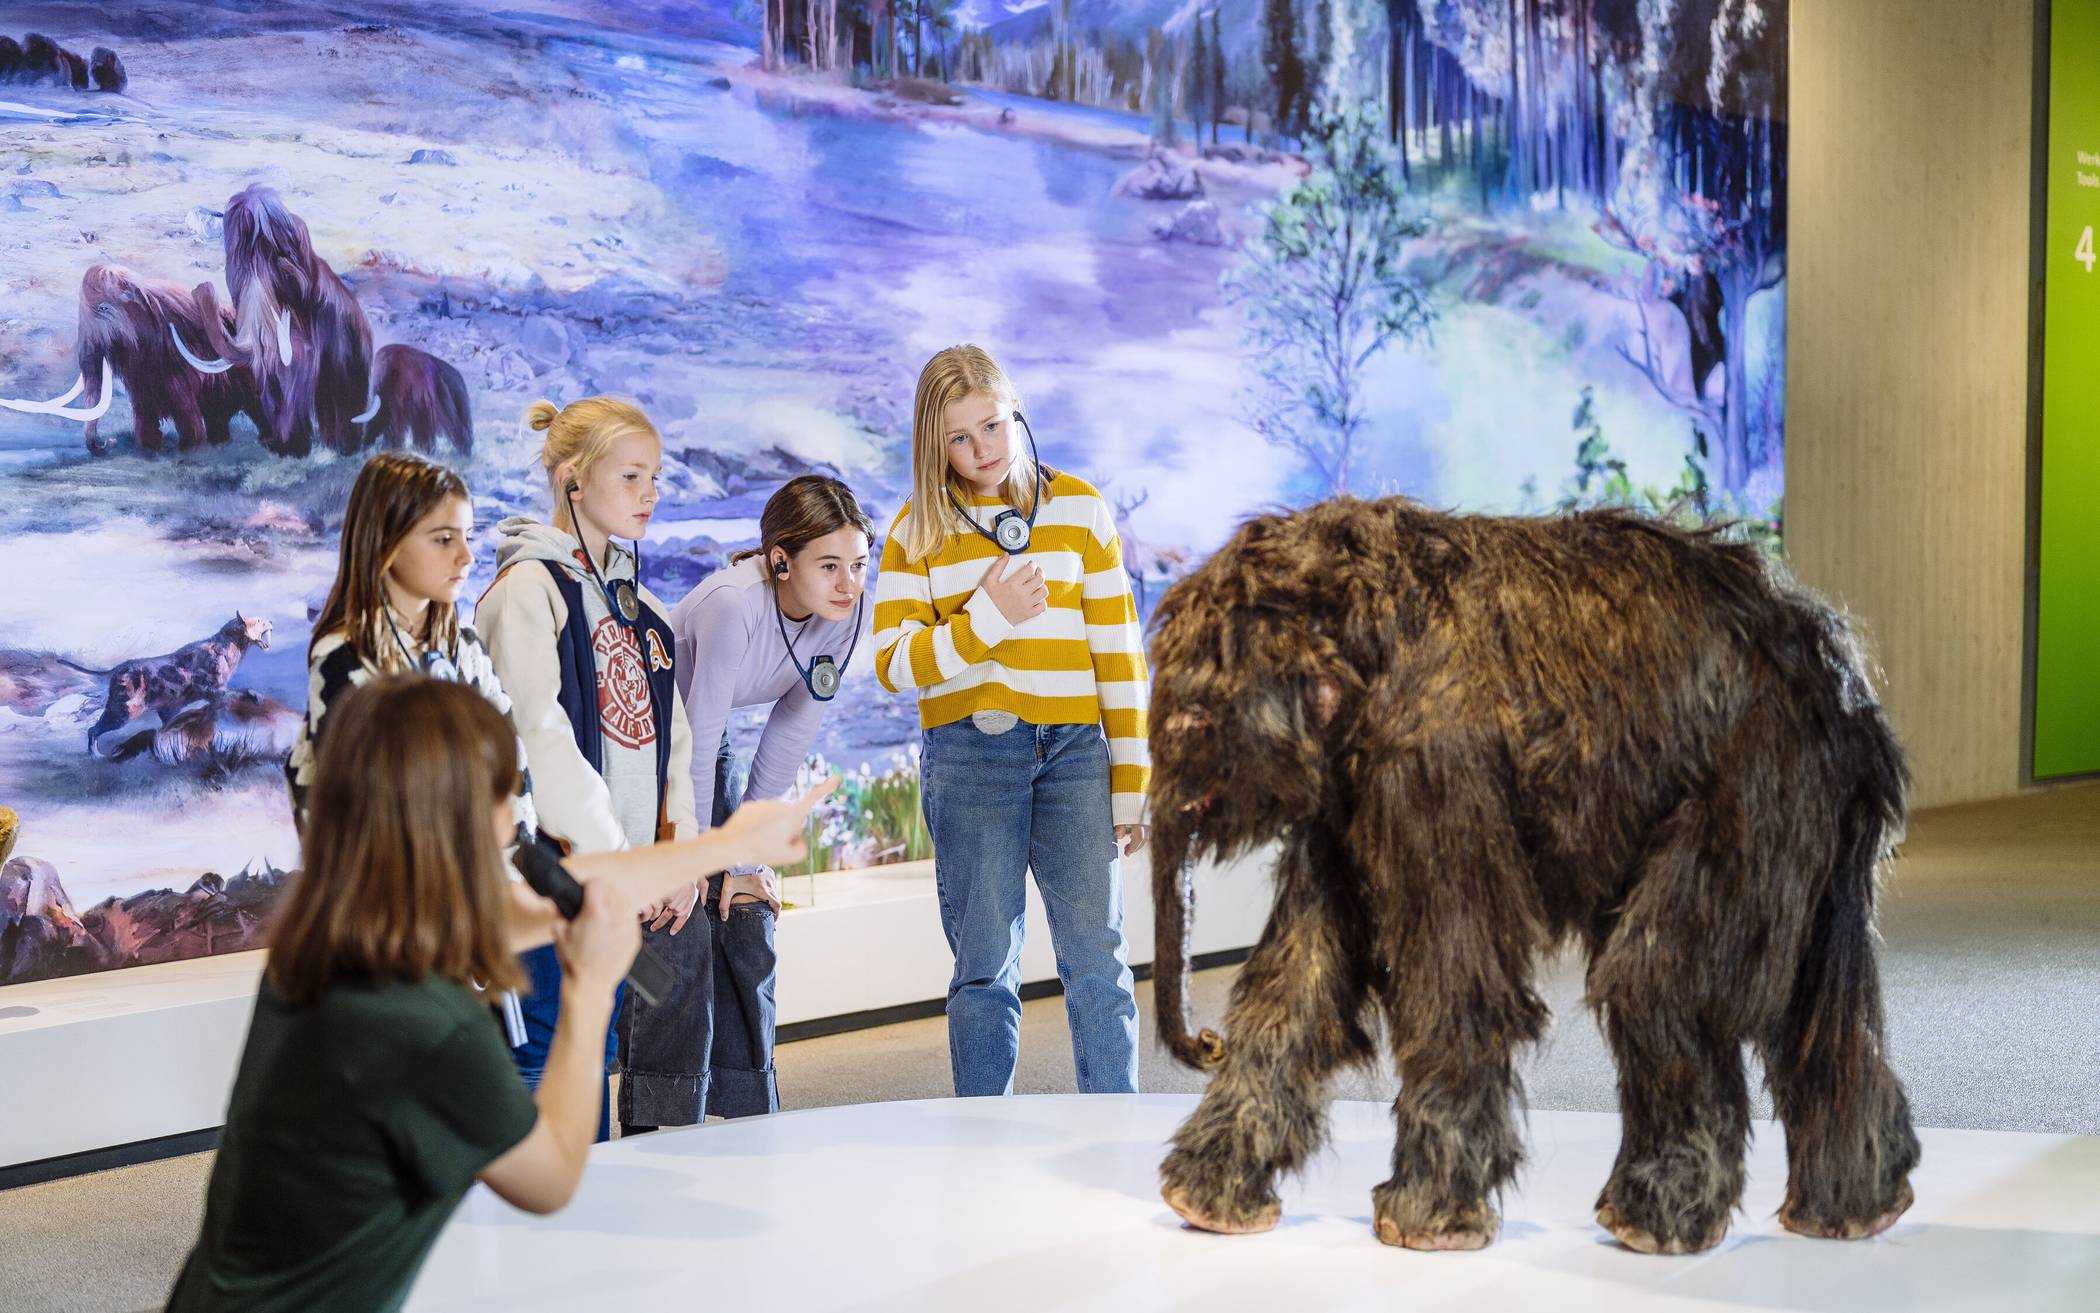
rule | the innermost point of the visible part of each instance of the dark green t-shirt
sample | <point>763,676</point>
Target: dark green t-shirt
<point>355,1127</point>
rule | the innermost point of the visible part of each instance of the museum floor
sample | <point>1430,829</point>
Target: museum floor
<point>1992,969</point>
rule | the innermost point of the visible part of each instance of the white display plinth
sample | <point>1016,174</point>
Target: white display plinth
<point>123,1056</point>
<point>1053,1203</point>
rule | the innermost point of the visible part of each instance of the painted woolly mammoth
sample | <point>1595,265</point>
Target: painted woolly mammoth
<point>420,397</point>
<point>1476,739</point>
<point>140,330</point>
<point>297,327</point>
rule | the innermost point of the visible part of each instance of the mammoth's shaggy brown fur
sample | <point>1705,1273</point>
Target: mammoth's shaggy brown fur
<point>141,326</point>
<point>1476,738</point>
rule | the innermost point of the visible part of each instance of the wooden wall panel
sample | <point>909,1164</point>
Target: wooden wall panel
<point>1907,359</point>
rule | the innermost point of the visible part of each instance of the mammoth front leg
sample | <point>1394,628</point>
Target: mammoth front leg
<point>189,420</point>
<point>1458,1005</point>
<point>1294,1020</point>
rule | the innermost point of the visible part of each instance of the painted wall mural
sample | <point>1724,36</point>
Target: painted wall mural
<point>1507,255</point>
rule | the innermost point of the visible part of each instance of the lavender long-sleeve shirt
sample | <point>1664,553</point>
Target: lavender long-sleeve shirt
<point>731,654</point>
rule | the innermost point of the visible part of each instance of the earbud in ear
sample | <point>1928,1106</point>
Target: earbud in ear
<point>574,487</point>
<point>780,569</point>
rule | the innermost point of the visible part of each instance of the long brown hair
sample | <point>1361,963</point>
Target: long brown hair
<point>393,492</point>
<point>804,509</point>
<point>952,374</point>
<point>402,873</point>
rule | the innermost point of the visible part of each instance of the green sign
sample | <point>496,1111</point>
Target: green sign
<point>2067,618</point>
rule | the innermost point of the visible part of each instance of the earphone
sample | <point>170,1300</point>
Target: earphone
<point>822,676</point>
<point>1011,532</point>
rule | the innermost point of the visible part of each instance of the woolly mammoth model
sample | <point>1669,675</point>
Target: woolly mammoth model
<point>1475,739</point>
<point>297,327</point>
<point>140,330</point>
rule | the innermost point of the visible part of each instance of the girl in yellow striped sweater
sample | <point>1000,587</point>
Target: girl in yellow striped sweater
<point>1002,600</point>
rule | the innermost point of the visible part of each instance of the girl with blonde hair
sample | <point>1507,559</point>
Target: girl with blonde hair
<point>1003,601</point>
<point>586,654</point>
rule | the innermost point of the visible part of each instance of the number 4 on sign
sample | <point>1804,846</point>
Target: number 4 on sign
<point>2084,253</point>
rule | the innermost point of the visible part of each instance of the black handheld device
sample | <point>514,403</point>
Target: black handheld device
<point>552,881</point>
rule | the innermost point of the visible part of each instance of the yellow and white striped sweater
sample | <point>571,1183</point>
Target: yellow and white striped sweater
<point>1080,662</point>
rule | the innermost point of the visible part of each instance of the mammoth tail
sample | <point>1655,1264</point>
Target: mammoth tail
<point>1173,904</point>
<point>1831,1034</point>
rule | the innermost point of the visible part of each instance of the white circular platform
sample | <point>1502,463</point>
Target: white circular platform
<point>999,1205</point>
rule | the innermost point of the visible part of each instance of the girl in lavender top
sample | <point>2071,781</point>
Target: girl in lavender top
<point>778,627</point>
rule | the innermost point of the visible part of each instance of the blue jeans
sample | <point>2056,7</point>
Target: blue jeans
<point>540,1001</point>
<point>707,1045</point>
<point>998,806</point>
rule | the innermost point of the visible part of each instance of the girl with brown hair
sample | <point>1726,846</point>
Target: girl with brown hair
<point>406,549</point>
<point>777,627</point>
<point>373,1089</point>
<point>403,559</point>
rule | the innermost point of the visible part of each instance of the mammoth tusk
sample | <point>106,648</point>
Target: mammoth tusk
<point>97,411</point>
<point>46,407</point>
<point>201,366</point>
<point>284,335</point>
<point>370,412</point>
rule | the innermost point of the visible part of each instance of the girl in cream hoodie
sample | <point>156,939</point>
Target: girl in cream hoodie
<point>586,654</point>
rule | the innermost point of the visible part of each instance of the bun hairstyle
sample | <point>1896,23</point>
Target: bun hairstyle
<point>582,432</point>
<point>541,415</point>
<point>806,508</point>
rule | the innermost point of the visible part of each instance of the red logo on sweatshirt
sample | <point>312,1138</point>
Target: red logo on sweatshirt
<point>623,686</point>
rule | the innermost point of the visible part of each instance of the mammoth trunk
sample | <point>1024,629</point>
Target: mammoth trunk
<point>1173,903</point>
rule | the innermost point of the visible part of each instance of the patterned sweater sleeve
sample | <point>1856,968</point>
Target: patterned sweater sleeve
<point>1116,643</point>
<point>332,669</point>
<point>476,668</point>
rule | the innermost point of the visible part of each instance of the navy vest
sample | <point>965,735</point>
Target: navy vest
<point>579,683</point>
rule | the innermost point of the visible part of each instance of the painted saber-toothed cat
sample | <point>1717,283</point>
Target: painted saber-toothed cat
<point>155,688</point>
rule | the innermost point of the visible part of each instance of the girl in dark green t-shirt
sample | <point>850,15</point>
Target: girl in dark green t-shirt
<point>375,1088</point>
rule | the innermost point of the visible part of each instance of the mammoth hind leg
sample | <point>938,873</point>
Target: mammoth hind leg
<point>1677,1041</point>
<point>1294,1020</point>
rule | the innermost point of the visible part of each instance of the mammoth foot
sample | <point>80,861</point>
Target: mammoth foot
<point>1677,1201</point>
<point>1408,1220</point>
<point>1219,1218</point>
<point>1642,1240</point>
<point>1825,1228</point>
